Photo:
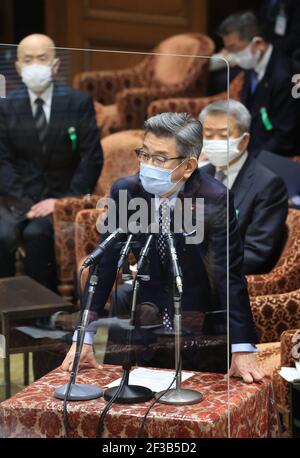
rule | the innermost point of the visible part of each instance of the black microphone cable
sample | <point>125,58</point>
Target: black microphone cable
<point>154,402</point>
<point>76,356</point>
<point>124,376</point>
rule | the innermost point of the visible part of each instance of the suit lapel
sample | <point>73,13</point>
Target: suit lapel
<point>243,182</point>
<point>22,107</point>
<point>57,123</point>
<point>263,87</point>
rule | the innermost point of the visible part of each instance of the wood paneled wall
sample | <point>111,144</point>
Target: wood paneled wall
<point>128,25</point>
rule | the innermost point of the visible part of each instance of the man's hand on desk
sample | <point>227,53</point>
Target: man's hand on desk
<point>43,208</point>
<point>86,358</point>
<point>244,364</point>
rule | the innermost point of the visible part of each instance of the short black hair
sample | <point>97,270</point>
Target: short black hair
<point>245,24</point>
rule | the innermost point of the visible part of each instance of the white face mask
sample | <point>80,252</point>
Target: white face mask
<point>245,59</point>
<point>217,152</point>
<point>37,77</point>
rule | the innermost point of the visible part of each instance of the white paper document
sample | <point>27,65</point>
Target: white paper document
<point>290,373</point>
<point>39,333</point>
<point>155,380</point>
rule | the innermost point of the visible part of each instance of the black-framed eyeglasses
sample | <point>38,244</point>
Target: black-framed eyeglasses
<point>156,159</point>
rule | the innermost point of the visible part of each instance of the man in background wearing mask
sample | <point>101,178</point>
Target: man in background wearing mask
<point>49,148</point>
<point>267,91</point>
<point>260,196</point>
<point>169,168</point>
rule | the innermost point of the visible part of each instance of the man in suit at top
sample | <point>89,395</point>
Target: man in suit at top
<point>280,19</point>
<point>169,168</point>
<point>267,91</point>
<point>260,196</point>
<point>49,148</point>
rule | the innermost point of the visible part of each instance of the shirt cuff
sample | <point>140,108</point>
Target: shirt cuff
<point>88,338</point>
<point>243,347</point>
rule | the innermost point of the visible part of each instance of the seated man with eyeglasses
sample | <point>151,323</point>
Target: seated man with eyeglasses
<point>169,169</point>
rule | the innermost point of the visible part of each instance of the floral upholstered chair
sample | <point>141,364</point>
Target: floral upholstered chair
<point>289,353</point>
<point>119,160</point>
<point>285,276</point>
<point>195,105</point>
<point>123,96</point>
<point>275,314</point>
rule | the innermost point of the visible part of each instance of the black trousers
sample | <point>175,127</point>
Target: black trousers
<point>36,235</point>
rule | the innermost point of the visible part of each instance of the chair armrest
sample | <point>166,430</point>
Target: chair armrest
<point>275,282</point>
<point>64,215</point>
<point>132,104</point>
<point>104,85</point>
<point>195,105</point>
<point>290,346</point>
<point>275,313</point>
<point>87,235</point>
<point>183,104</point>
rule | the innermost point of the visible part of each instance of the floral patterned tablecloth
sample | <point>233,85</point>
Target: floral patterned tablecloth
<point>35,412</point>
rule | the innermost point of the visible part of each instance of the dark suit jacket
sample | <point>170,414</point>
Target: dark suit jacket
<point>29,175</point>
<point>274,93</point>
<point>203,265</point>
<point>261,202</point>
<point>267,18</point>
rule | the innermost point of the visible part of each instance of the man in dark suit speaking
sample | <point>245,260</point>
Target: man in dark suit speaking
<point>49,148</point>
<point>169,169</point>
<point>260,196</point>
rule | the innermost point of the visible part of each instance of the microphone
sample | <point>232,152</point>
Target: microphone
<point>144,252</point>
<point>102,247</point>
<point>125,251</point>
<point>176,269</point>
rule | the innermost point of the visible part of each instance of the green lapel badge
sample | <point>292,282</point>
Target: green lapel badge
<point>265,118</point>
<point>73,137</point>
<point>237,213</point>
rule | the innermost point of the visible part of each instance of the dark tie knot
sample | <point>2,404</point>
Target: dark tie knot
<point>39,102</point>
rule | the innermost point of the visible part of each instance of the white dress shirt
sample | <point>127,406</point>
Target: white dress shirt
<point>46,96</point>
<point>233,170</point>
<point>263,63</point>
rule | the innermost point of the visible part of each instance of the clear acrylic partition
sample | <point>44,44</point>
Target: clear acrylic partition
<point>202,240</point>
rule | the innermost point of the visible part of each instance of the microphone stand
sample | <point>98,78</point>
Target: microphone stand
<point>177,395</point>
<point>73,391</point>
<point>130,394</point>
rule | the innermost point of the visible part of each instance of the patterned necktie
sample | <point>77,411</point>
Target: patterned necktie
<point>164,226</point>
<point>41,122</point>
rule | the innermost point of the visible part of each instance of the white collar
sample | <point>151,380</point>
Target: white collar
<point>263,63</point>
<point>46,96</point>
<point>236,167</point>
<point>171,199</point>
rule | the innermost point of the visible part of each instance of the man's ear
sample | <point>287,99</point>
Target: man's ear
<point>56,65</point>
<point>190,166</point>
<point>18,67</point>
<point>259,44</point>
<point>245,142</point>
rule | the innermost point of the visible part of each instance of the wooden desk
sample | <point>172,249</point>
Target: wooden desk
<point>21,301</point>
<point>35,412</point>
